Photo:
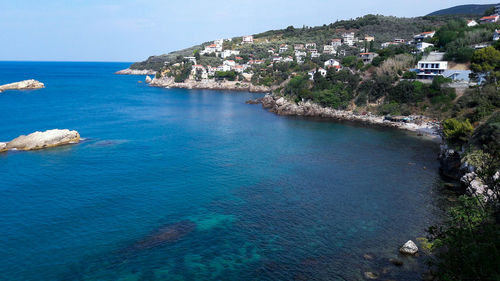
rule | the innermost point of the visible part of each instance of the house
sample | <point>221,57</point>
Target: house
<point>312,72</point>
<point>212,48</point>
<point>314,53</point>
<point>238,68</point>
<point>199,69</point>
<point>329,49</point>
<point>255,62</point>
<point>496,35</point>
<point>211,70</point>
<point>348,38</point>
<point>277,59</point>
<point>369,38</point>
<point>421,46</point>
<point>399,40</point>
<point>298,47</point>
<point>300,53</point>
<point>283,48</point>
<point>424,35</point>
<point>387,44</point>
<point>248,39</point>
<point>457,75</point>
<point>310,45</point>
<point>191,59</point>
<point>331,62</point>
<point>336,42</point>
<point>367,57</point>
<point>229,62</point>
<point>489,19</point>
<point>431,66</point>
<point>288,59</point>
<point>228,53</point>
<point>219,42</point>
<point>271,51</point>
<point>471,23</point>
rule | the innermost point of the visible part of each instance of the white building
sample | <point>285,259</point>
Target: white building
<point>314,53</point>
<point>230,63</point>
<point>471,23</point>
<point>191,59</point>
<point>420,37</point>
<point>195,69</point>
<point>348,38</point>
<point>248,39</point>
<point>228,53</point>
<point>336,42</point>
<point>421,46</point>
<point>300,53</point>
<point>283,48</point>
<point>310,45</point>
<point>329,49</point>
<point>288,59</point>
<point>312,72</point>
<point>298,47</point>
<point>277,59</point>
<point>431,66</point>
<point>331,63</point>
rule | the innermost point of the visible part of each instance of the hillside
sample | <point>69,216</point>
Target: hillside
<point>383,28</point>
<point>472,9</point>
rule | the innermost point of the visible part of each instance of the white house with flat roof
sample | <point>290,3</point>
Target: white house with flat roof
<point>421,46</point>
<point>248,39</point>
<point>431,66</point>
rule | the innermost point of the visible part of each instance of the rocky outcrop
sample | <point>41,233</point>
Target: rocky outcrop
<point>282,106</point>
<point>3,146</point>
<point>409,248</point>
<point>23,85</point>
<point>210,84</point>
<point>39,140</point>
<point>129,71</point>
<point>450,162</point>
<point>148,79</point>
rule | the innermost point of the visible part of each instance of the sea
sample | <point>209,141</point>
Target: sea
<point>178,184</point>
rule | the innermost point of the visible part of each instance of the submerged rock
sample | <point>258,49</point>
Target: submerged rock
<point>396,262</point>
<point>409,248</point>
<point>39,140</point>
<point>22,85</point>
<point>165,234</point>
<point>371,275</point>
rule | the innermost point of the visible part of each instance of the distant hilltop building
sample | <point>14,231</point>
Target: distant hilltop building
<point>248,39</point>
<point>488,19</point>
<point>348,38</point>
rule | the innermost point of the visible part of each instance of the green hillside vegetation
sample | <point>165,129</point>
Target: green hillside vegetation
<point>464,10</point>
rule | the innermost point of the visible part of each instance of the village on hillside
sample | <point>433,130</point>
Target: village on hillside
<point>242,58</point>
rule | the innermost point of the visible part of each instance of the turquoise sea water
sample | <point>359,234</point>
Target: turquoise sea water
<point>174,184</point>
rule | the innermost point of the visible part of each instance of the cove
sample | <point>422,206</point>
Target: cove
<point>175,184</point>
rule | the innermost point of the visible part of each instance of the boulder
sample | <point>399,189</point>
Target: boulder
<point>409,248</point>
<point>23,85</point>
<point>3,146</point>
<point>148,79</point>
<point>39,140</point>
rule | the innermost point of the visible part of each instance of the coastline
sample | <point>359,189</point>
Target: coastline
<point>129,71</point>
<point>210,84</point>
<point>279,105</point>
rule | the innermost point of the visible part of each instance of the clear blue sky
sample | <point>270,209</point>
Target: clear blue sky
<point>131,30</point>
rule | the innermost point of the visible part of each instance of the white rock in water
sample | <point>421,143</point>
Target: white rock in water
<point>148,79</point>
<point>3,146</point>
<point>39,140</point>
<point>129,71</point>
<point>409,248</point>
<point>22,85</point>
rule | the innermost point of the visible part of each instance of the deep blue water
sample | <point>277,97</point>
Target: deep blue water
<point>243,194</point>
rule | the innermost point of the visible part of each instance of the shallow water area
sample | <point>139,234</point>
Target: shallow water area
<point>176,184</point>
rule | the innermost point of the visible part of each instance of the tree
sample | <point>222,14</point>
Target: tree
<point>456,131</point>
<point>487,62</point>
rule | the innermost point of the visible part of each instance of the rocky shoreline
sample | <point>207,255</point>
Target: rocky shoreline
<point>129,71</point>
<point>210,84</point>
<point>23,85</point>
<point>40,140</point>
<point>282,106</point>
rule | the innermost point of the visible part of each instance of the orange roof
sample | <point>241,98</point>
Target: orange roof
<point>212,46</point>
<point>489,17</point>
<point>239,58</point>
<point>365,53</point>
<point>428,32</point>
